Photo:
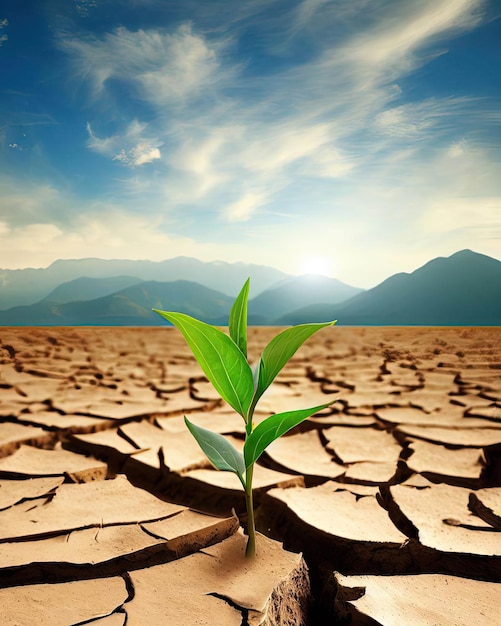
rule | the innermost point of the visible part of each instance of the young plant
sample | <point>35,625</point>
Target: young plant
<point>223,360</point>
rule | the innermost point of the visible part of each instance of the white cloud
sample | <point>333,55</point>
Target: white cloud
<point>353,75</point>
<point>131,148</point>
<point>145,154</point>
<point>103,146</point>
<point>242,209</point>
<point>317,119</point>
<point>202,159</point>
<point>389,48</point>
<point>141,154</point>
<point>189,65</point>
<point>277,146</point>
<point>248,162</point>
<point>101,229</point>
<point>164,67</point>
<point>402,121</point>
<point>328,162</point>
<point>419,119</point>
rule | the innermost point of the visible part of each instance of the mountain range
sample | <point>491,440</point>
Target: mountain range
<point>461,290</point>
<point>28,286</point>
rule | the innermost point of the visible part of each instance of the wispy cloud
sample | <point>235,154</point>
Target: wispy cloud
<point>310,120</point>
<point>76,229</point>
<point>416,119</point>
<point>141,154</point>
<point>397,43</point>
<point>242,209</point>
<point>132,148</point>
<point>163,67</point>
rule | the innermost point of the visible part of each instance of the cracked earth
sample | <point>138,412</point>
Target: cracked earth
<point>384,508</point>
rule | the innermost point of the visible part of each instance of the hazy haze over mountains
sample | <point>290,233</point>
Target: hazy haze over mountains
<point>28,286</point>
<point>461,290</point>
<point>85,288</point>
<point>292,295</point>
<point>128,307</point>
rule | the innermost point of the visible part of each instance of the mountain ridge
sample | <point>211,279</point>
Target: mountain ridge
<point>30,285</point>
<point>131,306</point>
<point>463,289</point>
<point>288,295</point>
<point>85,288</point>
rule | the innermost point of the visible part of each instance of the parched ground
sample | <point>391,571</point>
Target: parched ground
<point>110,513</point>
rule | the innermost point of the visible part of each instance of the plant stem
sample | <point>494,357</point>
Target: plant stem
<point>250,550</point>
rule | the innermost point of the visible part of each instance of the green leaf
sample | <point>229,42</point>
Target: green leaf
<point>272,428</point>
<point>280,349</point>
<point>238,319</point>
<point>219,357</point>
<point>218,450</point>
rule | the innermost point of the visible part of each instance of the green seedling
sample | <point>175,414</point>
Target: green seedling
<point>224,362</point>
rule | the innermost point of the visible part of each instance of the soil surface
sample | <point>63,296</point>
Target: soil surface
<point>384,508</point>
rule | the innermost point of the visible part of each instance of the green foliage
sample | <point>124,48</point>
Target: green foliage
<point>218,450</point>
<point>238,319</point>
<point>223,360</point>
<point>272,428</point>
<point>220,358</point>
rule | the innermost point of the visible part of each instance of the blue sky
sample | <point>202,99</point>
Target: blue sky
<point>355,138</point>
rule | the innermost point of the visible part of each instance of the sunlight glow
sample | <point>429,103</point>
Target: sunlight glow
<point>318,265</point>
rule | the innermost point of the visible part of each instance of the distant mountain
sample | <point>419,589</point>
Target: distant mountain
<point>128,307</point>
<point>132,306</point>
<point>89,288</point>
<point>297,292</point>
<point>461,290</point>
<point>28,286</point>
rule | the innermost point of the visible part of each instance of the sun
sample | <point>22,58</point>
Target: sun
<point>317,265</point>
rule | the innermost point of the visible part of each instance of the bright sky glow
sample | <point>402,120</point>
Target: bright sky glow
<point>318,265</point>
<point>345,137</point>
